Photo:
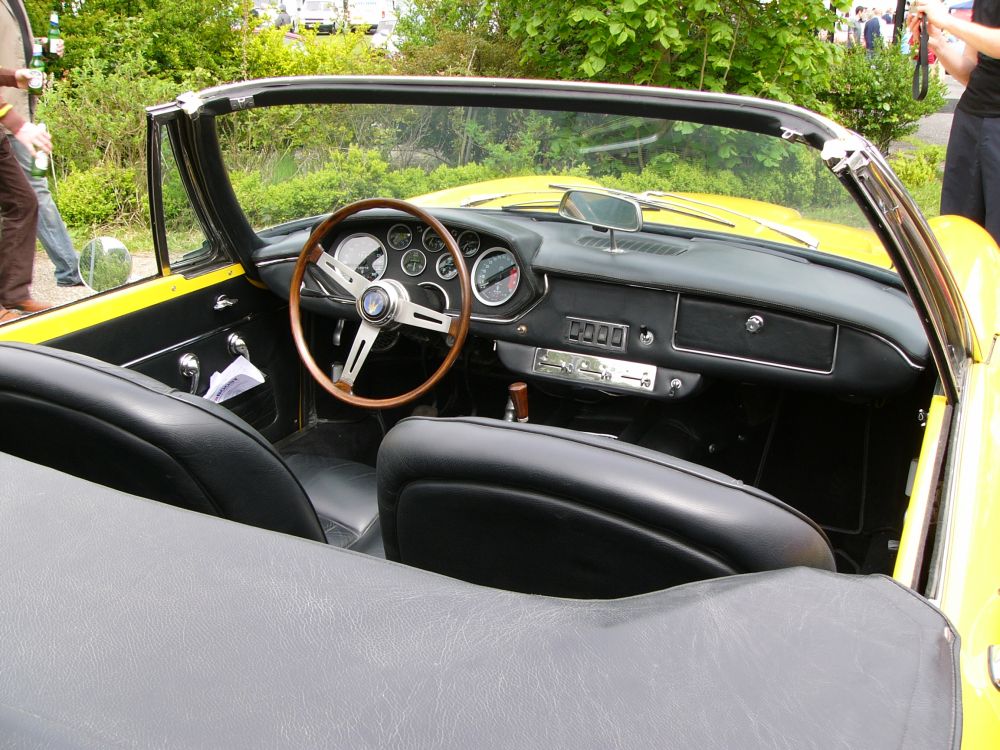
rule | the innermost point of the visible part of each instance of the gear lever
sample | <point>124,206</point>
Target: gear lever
<point>517,403</point>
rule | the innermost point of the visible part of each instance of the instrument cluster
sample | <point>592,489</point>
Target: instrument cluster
<point>418,254</point>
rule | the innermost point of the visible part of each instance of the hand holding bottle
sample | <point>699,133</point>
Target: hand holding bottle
<point>35,137</point>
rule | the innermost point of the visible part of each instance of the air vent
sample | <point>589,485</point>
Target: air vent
<point>600,242</point>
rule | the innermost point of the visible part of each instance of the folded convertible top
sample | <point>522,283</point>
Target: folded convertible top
<point>129,622</point>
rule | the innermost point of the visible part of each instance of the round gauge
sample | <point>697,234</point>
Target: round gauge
<point>432,243</point>
<point>468,243</point>
<point>495,276</point>
<point>446,267</point>
<point>364,254</point>
<point>399,236</point>
<point>413,262</point>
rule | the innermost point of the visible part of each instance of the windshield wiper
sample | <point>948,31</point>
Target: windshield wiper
<point>796,234</point>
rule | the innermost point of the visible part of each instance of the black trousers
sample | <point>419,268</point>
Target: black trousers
<point>18,223</point>
<point>972,171</point>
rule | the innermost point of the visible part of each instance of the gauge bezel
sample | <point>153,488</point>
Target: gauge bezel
<point>423,240</point>
<point>437,267</point>
<point>479,242</point>
<point>367,235</point>
<point>409,239</point>
<point>423,258</point>
<point>475,267</point>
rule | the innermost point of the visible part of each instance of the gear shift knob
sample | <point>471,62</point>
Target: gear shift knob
<point>518,393</point>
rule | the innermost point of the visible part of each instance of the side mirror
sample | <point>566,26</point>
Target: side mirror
<point>105,264</point>
<point>601,210</point>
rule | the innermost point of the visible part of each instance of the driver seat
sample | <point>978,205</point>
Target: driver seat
<point>544,510</point>
<point>124,430</point>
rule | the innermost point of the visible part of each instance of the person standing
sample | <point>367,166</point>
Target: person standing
<point>18,206</point>
<point>971,185</point>
<point>858,26</point>
<point>873,31</point>
<point>15,53</point>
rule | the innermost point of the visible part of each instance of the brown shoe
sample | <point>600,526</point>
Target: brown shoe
<point>6,315</point>
<point>30,305</point>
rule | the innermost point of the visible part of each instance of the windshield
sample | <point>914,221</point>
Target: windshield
<point>289,162</point>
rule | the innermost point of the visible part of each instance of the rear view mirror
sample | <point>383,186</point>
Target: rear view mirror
<point>105,264</point>
<point>601,210</point>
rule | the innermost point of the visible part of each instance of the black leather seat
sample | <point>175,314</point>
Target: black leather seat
<point>124,430</point>
<point>556,512</point>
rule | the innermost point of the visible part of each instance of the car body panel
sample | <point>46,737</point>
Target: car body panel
<point>976,272</point>
<point>106,307</point>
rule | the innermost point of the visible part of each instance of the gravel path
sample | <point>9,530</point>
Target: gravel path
<point>44,286</point>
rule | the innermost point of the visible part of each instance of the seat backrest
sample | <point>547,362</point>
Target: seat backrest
<point>124,430</point>
<point>552,511</point>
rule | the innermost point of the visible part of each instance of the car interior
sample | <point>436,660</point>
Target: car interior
<point>523,392</point>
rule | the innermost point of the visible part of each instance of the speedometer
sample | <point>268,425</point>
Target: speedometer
<point>364,253</point>
<point>495,276</point>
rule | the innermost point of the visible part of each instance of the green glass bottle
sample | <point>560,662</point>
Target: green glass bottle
<point>37,67</point>
<point>40,164</point>
<point>54,32</point>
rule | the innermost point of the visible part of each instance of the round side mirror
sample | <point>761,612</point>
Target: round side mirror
<point>105,264</point>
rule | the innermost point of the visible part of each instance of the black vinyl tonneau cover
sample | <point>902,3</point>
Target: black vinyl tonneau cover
<point>127,622</point>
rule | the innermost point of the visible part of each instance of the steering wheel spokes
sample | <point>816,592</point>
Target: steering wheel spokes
<point>364,339</point>
<point>381,305</point>
<point>342,274</point>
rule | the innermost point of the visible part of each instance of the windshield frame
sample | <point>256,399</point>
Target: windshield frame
<point>857,163</point>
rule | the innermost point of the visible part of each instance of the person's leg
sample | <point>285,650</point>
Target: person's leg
<point>989,149</point>
<point>19,214</point>
<point>961,191</point>
<point>51,229</point>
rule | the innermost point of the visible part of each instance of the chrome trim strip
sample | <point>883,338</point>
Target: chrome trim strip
<point>891,345</point>
<point>673,345</point>
<point>190,341</point>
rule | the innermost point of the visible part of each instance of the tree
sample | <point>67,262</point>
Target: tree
<point>873,95</point>
<point>753,47</point>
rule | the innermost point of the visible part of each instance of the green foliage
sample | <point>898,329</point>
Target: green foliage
<point>873,95</point>
<point>268,54</point>
<point>99,117</point>
<point>424,23</point>
<point>457,53</point>
<point>918,166</point>
<point>741,46</point>
<point>171,38</point>
<point>98,196</point>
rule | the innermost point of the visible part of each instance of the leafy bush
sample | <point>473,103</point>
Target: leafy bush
<point>99,196</point>
<point>873,95</point>
<point>919,166</point>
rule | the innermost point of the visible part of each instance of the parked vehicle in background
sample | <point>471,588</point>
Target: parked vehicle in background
<point>385,35</point>
<point>368,14</point>
<point>321,15</point>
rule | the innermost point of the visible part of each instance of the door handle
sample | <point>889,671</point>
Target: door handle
<point>190,368</point>
<point>222,302</point>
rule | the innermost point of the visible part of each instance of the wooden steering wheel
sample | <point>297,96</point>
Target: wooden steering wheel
<point>382,305</point>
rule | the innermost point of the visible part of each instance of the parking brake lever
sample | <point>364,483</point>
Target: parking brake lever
<point>517,403</point>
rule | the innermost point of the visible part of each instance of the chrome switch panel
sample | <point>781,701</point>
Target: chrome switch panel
<point>586,368</point>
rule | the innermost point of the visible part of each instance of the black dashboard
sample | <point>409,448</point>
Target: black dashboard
<point>657,317</point>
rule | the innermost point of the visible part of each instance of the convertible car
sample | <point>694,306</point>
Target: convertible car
<point>509,413</point>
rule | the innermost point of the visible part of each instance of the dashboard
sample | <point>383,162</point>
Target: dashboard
<point>660,317</point>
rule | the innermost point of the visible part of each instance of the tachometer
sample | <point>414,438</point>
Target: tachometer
<point>495,276</point>
<point>364,253</point>
<point>413,262</point>
<point>399,236</point>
